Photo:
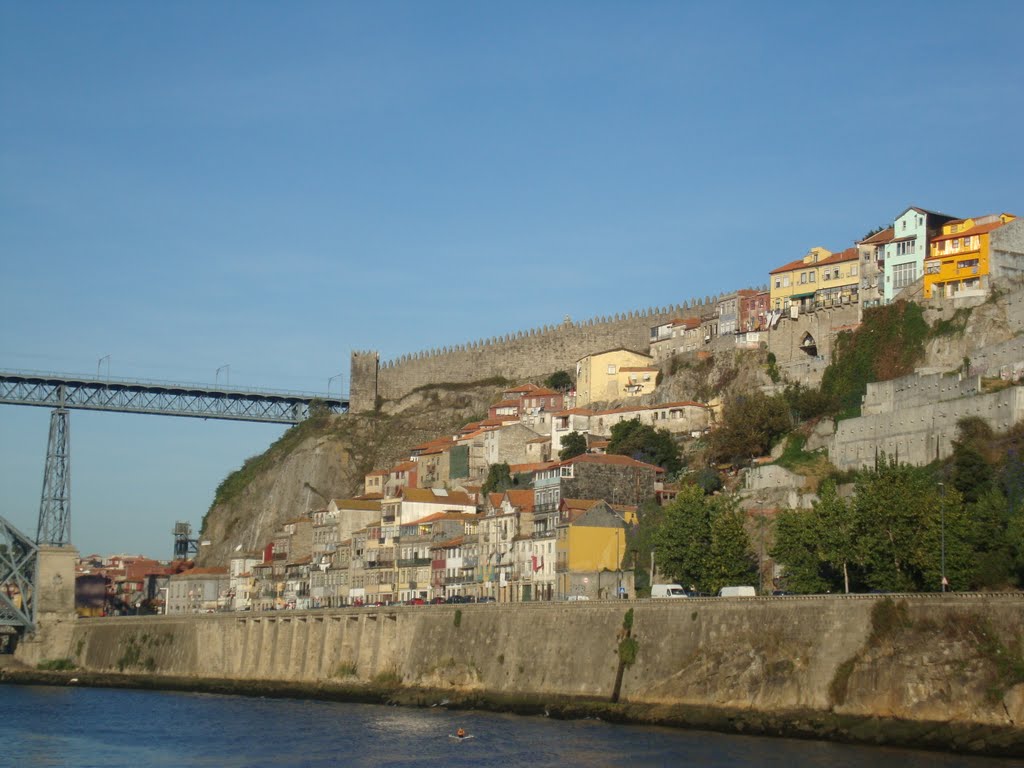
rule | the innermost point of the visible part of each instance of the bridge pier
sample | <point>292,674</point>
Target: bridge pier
<point>54,606</point>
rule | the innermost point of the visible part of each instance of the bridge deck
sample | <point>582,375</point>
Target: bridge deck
<point>56,390</point>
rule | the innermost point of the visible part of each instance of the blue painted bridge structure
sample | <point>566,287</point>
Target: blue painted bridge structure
<point>63,392</point>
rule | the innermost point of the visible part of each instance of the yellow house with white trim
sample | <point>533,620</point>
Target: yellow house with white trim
<point>613,375</point>
<point>819,280</point>
<point>959,260</point>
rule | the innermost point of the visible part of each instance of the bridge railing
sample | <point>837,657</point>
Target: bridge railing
<point>91,380</point>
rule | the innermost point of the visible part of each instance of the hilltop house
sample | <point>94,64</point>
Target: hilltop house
<point>612,375</point>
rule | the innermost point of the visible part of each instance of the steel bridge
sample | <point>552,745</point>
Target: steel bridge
<point>59,390</point>
<point>64,392</point>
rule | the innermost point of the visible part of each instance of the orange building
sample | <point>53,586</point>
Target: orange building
<point>959,260</point>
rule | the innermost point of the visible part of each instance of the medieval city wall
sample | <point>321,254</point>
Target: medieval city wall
<point>518,356</point>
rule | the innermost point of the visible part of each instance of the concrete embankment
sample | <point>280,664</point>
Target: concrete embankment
<point>936,671</point>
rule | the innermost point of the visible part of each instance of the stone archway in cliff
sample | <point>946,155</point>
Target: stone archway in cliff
<point>809,345</point>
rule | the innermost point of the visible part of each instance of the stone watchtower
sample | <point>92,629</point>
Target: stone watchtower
<point>363,371</point>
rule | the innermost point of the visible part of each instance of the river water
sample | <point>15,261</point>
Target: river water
<point>43,726</point>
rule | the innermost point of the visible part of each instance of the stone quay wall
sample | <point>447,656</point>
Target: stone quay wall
<point>826,654</point>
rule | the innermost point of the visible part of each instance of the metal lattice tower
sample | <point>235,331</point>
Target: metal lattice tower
<point>55,506</point>
<point>184,544</point>
<point>18,565</point>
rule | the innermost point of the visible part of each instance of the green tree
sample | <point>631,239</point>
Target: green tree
<point>560,381</point>
<point>816,546</point>
<point>798,549</point>
<point>807,403</point>
<point>902,517</point>
<point>837,526</point>
<point>574,444</point>
<point>751,424</point>
<point>888,344</point>
<point>730,560</point>
<point>499,479</point>
<point>973,475</point>
<point>708,480</point>
<point>645,443</point>
<point>991,540</point>
<point>702,542</point>
<point>682,541</point>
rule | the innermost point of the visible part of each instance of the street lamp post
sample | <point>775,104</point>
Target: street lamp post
<point>335,376</point>
<point>942,533</point>
<point>227,375</point>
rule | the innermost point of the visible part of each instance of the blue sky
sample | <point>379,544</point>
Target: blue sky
<point>190,185</point>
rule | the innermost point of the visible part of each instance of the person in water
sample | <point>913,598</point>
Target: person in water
<point>461,733</point>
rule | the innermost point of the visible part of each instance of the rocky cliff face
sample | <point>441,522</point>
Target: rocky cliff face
<point>327,457</point>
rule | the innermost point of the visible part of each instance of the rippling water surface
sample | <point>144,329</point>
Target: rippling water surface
<point>81,727</point>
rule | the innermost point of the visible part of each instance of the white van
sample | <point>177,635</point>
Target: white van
<point>667,590</point>
<point>737,592</point>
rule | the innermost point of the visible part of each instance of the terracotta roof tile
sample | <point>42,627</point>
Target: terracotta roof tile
<point>427,496</point>
<point>458,516</point>
<point>879,238</point>
<point>978,229</point>
<point>609,459</point>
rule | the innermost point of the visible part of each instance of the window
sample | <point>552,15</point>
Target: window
<point>812,277</point>
<point>803,277</point>
<point>611,370</point>
<point>778,282</point>
<point>903,275</point>
<point>853,270</point>
<point>785,282</point>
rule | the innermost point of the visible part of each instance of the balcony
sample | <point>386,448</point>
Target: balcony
<point>414,562</point>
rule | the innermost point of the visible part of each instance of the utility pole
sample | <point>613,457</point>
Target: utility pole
<point>942,529</point>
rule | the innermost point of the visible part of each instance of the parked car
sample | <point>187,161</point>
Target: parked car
<point>737,592</point>
<point>454,599</point>
<point>486,600</point>
<point>438,601</point>
<point>576,598</point>
<point>667,590</point>
<point>416,601</point>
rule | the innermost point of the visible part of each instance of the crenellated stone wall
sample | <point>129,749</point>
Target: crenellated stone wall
<point>518,356</point>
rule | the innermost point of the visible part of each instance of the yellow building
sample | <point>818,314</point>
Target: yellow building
<point>959,259</point>
<point>590,548</point>
<point>613,375</point>
<point>819,280</point>
<point>796,279</point>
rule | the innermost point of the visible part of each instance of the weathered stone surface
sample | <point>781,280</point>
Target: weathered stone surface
<point>817,666</point>
<point>330,461</point>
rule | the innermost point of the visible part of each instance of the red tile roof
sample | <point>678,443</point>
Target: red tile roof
<point>978,229</point>
<point>610,459</point>
<point>433,518</point>
<point>521,497</point>
<point>879,238</point>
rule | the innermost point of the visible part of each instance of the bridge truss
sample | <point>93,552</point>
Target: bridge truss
<point>61,392</point>
<point>165,398</point>
<point>18,565</point>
